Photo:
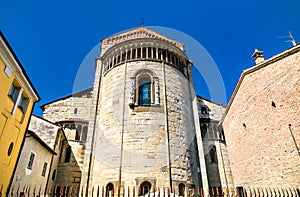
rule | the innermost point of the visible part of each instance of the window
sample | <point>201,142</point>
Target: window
<point>84,133</point>
<point>14,92</point>
<point>213,155</point>
<point>44,169</point>
<point>7,71</point>
<point>204,110</point>
<point>75,111</point>
<point>67,154</point>
<point>53,174</point>
<point>23,103</point>
<point>203,131</point>
<point>181,188</point>
<point>144,91</point>
<point>109,190</point>
<point>78,132</point>
<point>145,188</point>
<point>31,159</point>
<point>10,148</point>
<point>240,191</point>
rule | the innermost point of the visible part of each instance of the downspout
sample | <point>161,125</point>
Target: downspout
<point>122,134</point>
<point>167,129</point>
<point>223,165</point>
<point>50,167</point>
<point>19,154</point>
<point>196,125</point>
<point>94,129</point>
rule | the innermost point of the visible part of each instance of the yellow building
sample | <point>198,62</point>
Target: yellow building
<point>17,98</point>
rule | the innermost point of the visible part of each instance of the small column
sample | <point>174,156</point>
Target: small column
<point>131,53</point>
<point>152,49</point>
<point>120,56</point>
<point>141,50</point>
<point>106,65</point>
<point>156,91</point>
<point>136,53</point>
<point>161,55</point>
<point>132,92</point>
<point>147,48</point>
<point>126,53</point>
<point>156,52</point>
<point>109,61</point>
<point>167,55</point>
<point>175,58</point>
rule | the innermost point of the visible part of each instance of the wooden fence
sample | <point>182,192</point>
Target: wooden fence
<point>74,191</point>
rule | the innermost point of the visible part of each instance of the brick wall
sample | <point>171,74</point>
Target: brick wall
<point>261,148</point>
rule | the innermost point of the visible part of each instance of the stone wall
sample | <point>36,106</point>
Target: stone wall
<point>218,172</point>
<point>69,172</point>
<point>72,107</point>
<point>262,123</point>
<point>144,146</point>
<point>51,135</point>
<point>72,113</point>
<point>46,130</point>
<point>24,176</point>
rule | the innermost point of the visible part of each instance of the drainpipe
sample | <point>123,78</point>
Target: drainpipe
<point>122,134</point>
<point>94,129</point>
<point>167,129</point>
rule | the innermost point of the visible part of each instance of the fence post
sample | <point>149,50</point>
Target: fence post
<point>28,190</point>
<point>103,191</point>
<point>133,191</point>
<point>34,190</point>
<point>18,189</point>
<point>40,190</point>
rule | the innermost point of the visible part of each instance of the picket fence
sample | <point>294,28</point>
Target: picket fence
<point>74,191</point>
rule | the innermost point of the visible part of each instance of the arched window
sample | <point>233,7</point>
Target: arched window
<point>144,91</point>
<point>181,188</point>
<point>203,130</point>
<point>67,154</point>
<point>145,188</point>
<point>109,190</point>
<point>78,132</point>
<point>84,133</point>
<point>213,155</point>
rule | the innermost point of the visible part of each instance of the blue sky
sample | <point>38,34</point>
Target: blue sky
<point>52,38</point>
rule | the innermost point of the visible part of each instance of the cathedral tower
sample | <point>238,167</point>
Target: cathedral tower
<point>142,126</point>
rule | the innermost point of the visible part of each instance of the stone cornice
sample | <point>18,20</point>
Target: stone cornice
<point>140,32</point>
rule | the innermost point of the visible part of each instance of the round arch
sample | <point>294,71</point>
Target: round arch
<point>145,188</point>
<point>109,190</point>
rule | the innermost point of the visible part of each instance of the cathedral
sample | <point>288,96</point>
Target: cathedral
<point>141,126</point>
<point>142,131</point>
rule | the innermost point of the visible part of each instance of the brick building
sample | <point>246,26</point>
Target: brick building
<point>262,124</point>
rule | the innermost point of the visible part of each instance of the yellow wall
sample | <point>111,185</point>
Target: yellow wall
<point>12,128</point>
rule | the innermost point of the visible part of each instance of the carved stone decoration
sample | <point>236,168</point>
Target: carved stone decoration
<point>156,90</point>
<point>132,92</point>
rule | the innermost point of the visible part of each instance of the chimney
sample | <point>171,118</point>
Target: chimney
<point>258,56</point>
